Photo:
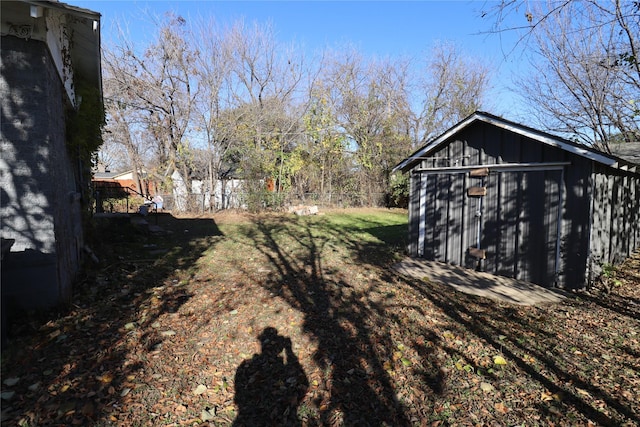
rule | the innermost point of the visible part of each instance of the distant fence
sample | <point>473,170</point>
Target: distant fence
<point>200,203</point>
<point>339,200</point>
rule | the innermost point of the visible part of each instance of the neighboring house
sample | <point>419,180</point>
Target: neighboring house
<point>50,61</point>
<point>125,179</point>
<point>510,200</point>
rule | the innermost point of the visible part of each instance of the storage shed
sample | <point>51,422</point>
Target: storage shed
<point>503,198</point>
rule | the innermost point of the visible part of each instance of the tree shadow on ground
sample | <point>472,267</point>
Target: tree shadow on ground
<point>345,322</point>
<point>623,304</point>
<point>523,335</point>
<point>355,320</point>
<point>73,366</point>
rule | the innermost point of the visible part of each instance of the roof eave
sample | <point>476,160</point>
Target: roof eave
<point>540,136</point>
<point>416,157</point>
<point>87,43</point>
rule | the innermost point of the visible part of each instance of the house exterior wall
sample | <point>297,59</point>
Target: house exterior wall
<point>534,225</point>
<point>40,205</point>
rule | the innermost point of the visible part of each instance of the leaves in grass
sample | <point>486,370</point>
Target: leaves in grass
<point>486,387</point>
<point>10,382</point>
<point>200,389</point>
<point>374,347</point>
<point>499,360</point>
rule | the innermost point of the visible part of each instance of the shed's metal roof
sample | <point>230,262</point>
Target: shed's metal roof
<point>543,137</point>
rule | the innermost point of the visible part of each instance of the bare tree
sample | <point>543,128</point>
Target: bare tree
<point>159,84</point>
<point>370,101</point>
<point>112,155</point>
<point>124,123</point>
<point>261,114</point>
<point>212,105</point>
<point>265,85</point>
<point>585,71</point>
<point>454,87</point>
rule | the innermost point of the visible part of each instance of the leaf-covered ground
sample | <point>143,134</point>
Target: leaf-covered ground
<point>283,320</point>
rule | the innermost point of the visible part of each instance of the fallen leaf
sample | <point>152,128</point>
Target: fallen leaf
<point>546,396</point>
<point>500,407</point>
<point>106,378</point>
<point>7,395</point>
<point>583,392</point>
<point>10,382</point>
<point>499,360</point>
<point>208,414</point>
<point>486,387</point>
<point>200,389</point>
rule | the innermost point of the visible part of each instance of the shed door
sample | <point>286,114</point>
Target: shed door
<point>510,228</point>
<point>520,223</point>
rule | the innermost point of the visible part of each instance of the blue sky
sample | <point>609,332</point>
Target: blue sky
<point>376,28</point>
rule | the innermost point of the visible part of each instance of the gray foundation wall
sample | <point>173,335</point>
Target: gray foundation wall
<point>40,205</point>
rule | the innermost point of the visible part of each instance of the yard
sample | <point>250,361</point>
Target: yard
<point>276,319</point>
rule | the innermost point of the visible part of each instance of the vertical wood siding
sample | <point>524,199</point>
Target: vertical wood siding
<point>615,231</point>
<point>528,217</point>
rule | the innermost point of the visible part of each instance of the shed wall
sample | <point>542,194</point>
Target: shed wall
<point>615,231</point>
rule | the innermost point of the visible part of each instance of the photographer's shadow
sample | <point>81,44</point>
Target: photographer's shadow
<point>270,386</point>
